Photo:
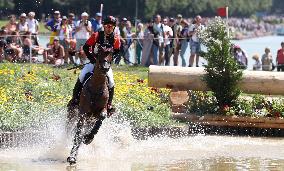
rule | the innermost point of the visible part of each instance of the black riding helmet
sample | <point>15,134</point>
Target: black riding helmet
<point>110,20</point>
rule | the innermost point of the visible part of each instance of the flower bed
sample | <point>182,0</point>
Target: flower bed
<point>253,106</point>
<point>32,94</point>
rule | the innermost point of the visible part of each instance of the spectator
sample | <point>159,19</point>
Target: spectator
<point>195,47</point>
<point>240,56</point>
<point>26,50</point>
<point>2,50</point>
<point>27,47</point>
<point>12,24</point>
<point>97,22</point>
<point>65,34</point>
<point>280,58</point>
<point>33,27</point>
<point>127,47</point>
<point>116,29</point>
<point>52,25</point>
<point>71,23</point>
<point>83,31</point>
<point>54,55</point>
<point>3,44</point>
<point>122,32</point>
<point>176,45</point>
<point>266,60</point>
<point>184,41</point>
<point>159,51</point>
<point>139,42</point>
<point>168,34</point>
<point>159,46</point>
<point>22,26</point>
<point>13,52</point>
<point>122,27</point>
<point>71,52</point>
<point>257,64</point>
<point>149,40</point>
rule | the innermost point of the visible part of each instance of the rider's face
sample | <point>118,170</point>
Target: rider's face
<point>108,28</point>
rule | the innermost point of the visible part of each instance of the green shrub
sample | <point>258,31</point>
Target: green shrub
<point>222,74</point>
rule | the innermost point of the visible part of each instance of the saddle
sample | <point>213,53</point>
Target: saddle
<point>89,75</point>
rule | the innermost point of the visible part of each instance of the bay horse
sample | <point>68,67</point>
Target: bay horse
<point>93,101</point>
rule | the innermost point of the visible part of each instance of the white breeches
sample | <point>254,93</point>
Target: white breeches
<point>89,68</point>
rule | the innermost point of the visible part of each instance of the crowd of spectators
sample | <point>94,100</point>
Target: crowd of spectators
<point>250,28</point>
<point>265,62</point>
<point>155,42</point>
<point>18,40</point>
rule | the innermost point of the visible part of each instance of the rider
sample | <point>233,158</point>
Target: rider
<point>102,37</point>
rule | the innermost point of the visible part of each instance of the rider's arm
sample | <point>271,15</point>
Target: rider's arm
<point>88,47</point>
<point>116,47</point>
<point>88,52</point>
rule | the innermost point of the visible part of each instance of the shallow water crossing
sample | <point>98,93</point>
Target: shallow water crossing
<point>114,148</point>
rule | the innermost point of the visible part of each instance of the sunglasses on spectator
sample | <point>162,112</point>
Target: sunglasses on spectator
<point>165,21</point>
<point>109,26</point>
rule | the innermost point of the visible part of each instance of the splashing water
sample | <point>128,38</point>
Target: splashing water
<point>114,148</point>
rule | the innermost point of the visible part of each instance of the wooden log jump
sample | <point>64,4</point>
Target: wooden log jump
<point>190,78</point>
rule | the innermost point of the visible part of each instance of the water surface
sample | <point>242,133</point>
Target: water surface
<point>114,148</point>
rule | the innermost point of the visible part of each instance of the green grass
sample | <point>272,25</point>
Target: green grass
<point>140,71</point>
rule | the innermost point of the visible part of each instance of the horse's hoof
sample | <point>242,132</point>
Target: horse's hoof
<point>88,139</point>
<point>71,160</point>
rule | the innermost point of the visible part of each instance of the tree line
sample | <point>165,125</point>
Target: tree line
<point>146,8</point>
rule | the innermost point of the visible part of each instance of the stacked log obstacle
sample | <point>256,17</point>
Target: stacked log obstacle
<point>190,78</point>
<point>181,79</point>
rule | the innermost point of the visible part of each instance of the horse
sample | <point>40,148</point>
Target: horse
<point>93,101</point>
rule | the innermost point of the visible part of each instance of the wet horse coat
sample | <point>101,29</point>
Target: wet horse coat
<point>93,101</point>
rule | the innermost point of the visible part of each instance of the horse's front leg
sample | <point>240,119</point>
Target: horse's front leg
<point>72,118</point>
<point>89,137</point>
<point>77,142</point>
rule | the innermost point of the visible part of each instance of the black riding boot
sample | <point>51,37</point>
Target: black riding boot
<point>76,95</point>
<point>110,108</point>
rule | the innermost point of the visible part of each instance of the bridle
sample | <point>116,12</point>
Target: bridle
<point>104,52</point>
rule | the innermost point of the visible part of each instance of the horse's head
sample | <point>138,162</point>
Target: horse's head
<point>104,57</point>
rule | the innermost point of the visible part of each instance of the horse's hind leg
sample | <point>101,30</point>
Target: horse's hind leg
<point>77,142</point>
<point>89,137</point>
